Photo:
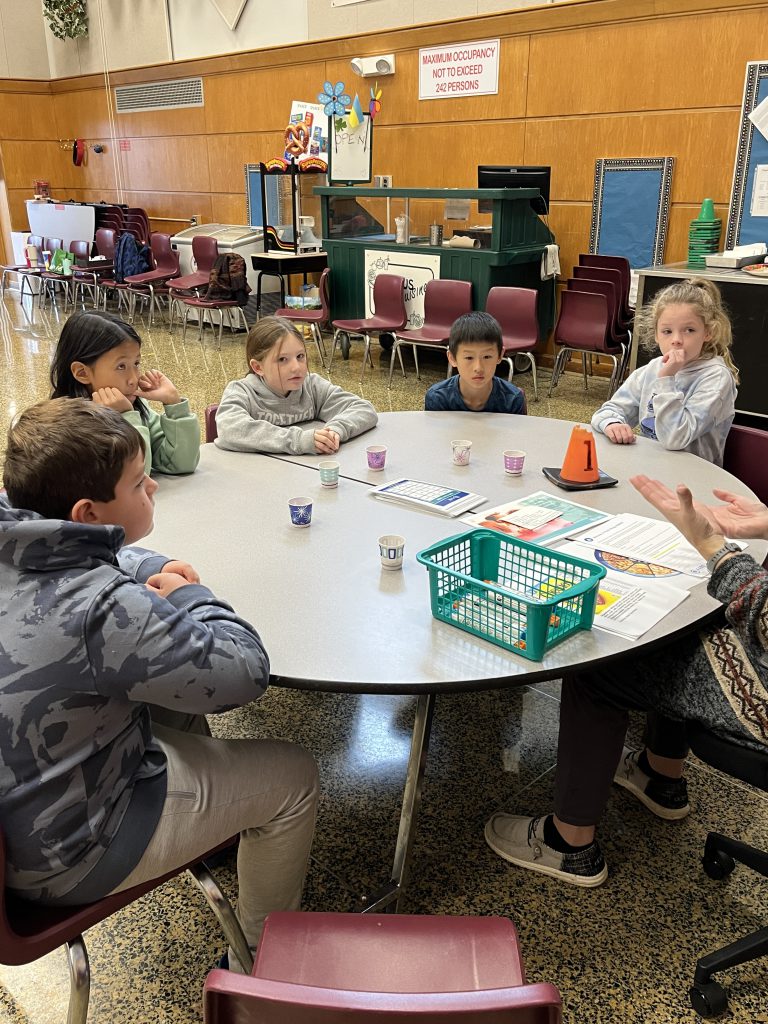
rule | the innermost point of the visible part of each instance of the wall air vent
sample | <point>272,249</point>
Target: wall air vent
<point>181,92</point>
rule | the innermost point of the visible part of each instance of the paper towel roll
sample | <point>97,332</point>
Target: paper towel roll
<point>463,242</point>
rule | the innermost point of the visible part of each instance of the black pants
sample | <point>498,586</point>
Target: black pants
<point>672,685</point>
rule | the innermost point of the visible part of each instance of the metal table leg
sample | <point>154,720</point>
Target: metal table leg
<point>417,760</point>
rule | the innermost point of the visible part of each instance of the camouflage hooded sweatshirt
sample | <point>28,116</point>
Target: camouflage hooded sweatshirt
<point>84,648</point>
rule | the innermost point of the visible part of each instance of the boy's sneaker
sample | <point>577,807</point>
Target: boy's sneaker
<point>521,841</point>
<point>667,799</point>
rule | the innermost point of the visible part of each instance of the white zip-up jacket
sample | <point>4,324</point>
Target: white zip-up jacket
<point>252,418</point>
<point>691,411</point>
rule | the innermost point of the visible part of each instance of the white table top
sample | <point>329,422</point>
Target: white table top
<point>330,617</point>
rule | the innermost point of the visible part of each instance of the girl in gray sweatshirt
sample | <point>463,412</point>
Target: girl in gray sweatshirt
<point>280,406</point>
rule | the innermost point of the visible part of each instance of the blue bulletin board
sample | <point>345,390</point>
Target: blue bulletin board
<point>744,227</point>
<point>630,209</point>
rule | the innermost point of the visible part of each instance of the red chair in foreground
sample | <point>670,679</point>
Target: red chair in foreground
<point>205,250</point>
<point>29,931</point>
<point>358,968</point>
<point>315,318</point>
<point>154,283</point>
<point>211,431</point>
<point>389,315</point>
<point>516,311</point>
<point>444,301</point>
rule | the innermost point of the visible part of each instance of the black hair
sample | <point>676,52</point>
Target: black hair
<point>474,327</point>
<point>84,338</point>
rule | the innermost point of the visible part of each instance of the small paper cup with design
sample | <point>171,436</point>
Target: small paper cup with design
<point>376,455</point>
<point>391,548</point>
<point>329,473</point>
<point>301,511</point>
<point>461,452</point>
<point>514,460</point>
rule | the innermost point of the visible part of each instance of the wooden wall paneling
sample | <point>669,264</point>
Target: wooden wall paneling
<point>29,160</point>
<point>228,155</point>
<point>258,101</point>
<point>81,114</point>
<point>228,209</point>
<point>26,116</point>
<point>638,65</point>
<point>17,209</point>
<point>166,165</point>
<point>171,205</point>
<point>570,224</point>
<point>148,123</point>
<point>400,93</point>
<point>701,140</point>
<point>444,156</point>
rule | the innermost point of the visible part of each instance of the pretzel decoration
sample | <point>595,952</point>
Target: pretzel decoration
<point>297,139</point>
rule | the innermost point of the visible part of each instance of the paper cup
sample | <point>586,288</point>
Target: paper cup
<point>376,455</point>
<point>514,460</point>
<point>461,452</point>
<point>329,474</point>
<point>300,510</point>
<point>391,548</point>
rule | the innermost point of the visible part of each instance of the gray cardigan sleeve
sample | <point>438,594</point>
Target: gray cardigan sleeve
<point>342,411</point>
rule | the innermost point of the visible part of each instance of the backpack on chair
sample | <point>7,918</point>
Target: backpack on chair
<point>227,281</point>
<point>131,257</point>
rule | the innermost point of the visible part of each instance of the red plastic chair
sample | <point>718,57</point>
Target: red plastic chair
<point>97,280</point>
<point>596,273</point>
<point>583,325</point>
<point>205,250</point>
<point>205,310</point>
<point>389,315</point>
<point>516,311</point>
<point>746,456</point>
<point>21,269</point>
<point>29,930</point>
<point>358,968</point>
<point>444,301</point>
<point>315,318</point>
<point>150,284</point>
<point>619,263</point>
<point>211,430</point>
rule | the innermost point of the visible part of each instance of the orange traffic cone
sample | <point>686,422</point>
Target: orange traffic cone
<point>580,462</point>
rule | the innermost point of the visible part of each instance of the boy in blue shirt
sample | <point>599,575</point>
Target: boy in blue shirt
<point>474,348</point>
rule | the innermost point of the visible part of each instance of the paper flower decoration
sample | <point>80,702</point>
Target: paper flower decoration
<point>334,98</point>
<point>375,105</point>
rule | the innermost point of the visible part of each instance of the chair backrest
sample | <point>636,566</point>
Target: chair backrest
<point>164,256</point>
<point>389,298</point>
<point>211,432</point>
<point>583,321</point>
<point>606,288</point>
<point>516,311</point>
<point>36,240</point>
<point>445,300</point>
<point>619,263</point>
<point>105,242</point>
<point>607,271</point>
<point>325,289</point>
<point>746,456</point>
<point>205,249</point>
<point>52,244</point>
<point>80,248</point>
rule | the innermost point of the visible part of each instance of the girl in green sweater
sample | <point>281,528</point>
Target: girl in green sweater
<point>98,356</point>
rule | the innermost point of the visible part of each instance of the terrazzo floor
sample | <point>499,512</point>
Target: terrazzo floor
<point>623,953</point>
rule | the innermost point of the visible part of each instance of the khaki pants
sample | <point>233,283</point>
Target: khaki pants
<point>264,789</point>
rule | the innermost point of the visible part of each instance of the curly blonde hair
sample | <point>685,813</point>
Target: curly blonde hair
<point>705,298</point>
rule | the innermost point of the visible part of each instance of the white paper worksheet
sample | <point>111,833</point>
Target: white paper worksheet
<point>646,540</point>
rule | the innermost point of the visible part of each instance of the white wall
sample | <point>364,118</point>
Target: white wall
<point>141,32</point>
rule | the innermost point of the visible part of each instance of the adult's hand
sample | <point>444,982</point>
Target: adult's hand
<point>740,518</point>
<point>678,507</point>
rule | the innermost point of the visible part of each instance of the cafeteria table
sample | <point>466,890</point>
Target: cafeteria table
<point>371,630</point>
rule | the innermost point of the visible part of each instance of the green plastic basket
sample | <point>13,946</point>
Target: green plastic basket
<point>523,597</point>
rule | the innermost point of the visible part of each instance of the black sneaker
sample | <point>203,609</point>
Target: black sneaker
<point>520,840</point>
<point>667,799</point>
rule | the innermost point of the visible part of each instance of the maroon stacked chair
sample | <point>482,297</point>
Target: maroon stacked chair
<point>583,325</point>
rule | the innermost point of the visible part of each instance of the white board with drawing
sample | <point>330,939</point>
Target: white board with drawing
<point>349,152</point>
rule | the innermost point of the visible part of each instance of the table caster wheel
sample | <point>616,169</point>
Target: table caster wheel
<point>708,999</point>
<point>344,345</point>
<point>718,865</point>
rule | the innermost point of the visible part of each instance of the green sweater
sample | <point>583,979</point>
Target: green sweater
<point>171,441</point>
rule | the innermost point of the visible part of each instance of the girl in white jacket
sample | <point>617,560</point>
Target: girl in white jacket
<point>685,397</point>
<point>280,406</point>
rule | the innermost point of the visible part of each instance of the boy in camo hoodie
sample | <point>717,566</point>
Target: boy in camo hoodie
<point>95,797</point>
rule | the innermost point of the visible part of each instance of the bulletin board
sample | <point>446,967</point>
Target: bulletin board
<point>746,224</point>
<point>630,209</point>
<point>350,152</point>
